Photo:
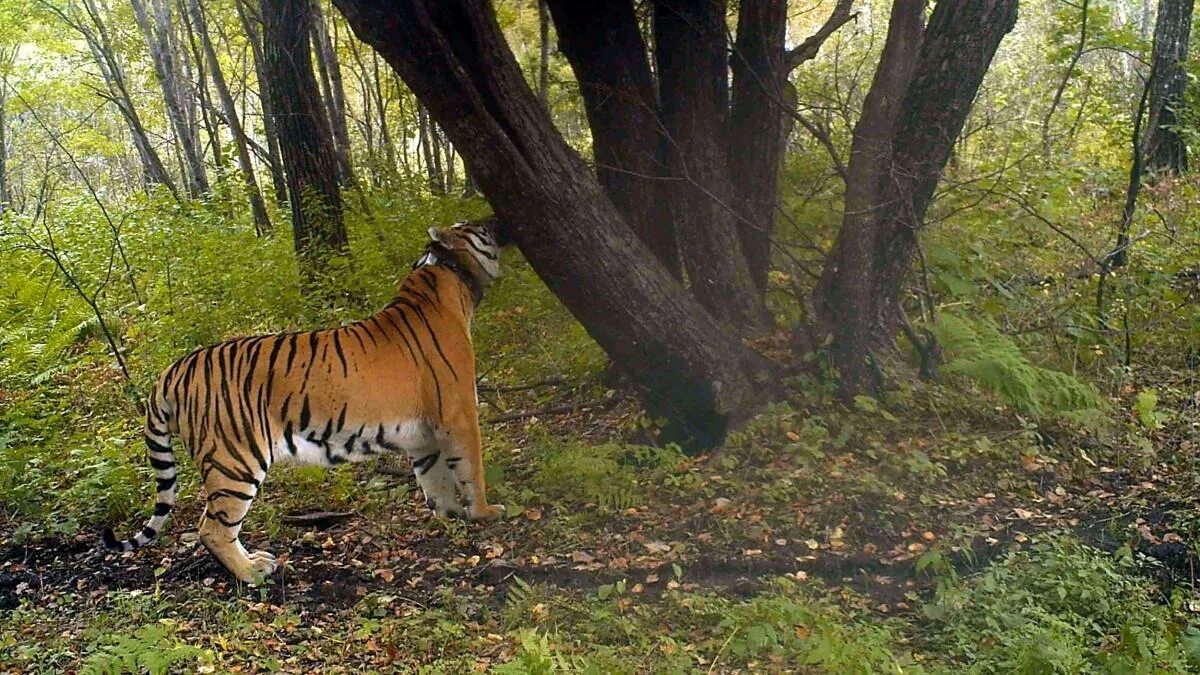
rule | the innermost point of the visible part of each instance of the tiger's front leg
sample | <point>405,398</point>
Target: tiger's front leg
<point>464,463</point>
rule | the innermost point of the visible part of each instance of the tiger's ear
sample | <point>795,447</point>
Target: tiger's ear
<point>438,234</point>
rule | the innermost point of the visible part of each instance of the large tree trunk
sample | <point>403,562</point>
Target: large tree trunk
<point>262,222</point>
<point>1165,149</point>
<point>755,142</point>
<point>691,51</point>
<point>157,32</point>
<point>452,54</point>
<point>308,154</point>
<point>927,79</point>
<point>604,45</point>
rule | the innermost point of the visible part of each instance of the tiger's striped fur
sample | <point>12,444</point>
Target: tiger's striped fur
<point>403,379</point>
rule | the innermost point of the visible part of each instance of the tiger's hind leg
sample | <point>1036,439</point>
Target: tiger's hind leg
<point>227,503</point>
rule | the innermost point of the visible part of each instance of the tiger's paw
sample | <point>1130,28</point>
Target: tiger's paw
<point>262,564</point>
<point>487,512</point>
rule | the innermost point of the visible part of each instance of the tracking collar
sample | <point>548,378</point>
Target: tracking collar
<point>437,254</point>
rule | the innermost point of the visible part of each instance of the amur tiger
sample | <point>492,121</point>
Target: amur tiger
<point>403,379</point>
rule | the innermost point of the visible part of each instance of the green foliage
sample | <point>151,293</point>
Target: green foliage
<point>150,649</point>
<point>1059,607</point>
<point>978,351</point>
<point>612,476</point>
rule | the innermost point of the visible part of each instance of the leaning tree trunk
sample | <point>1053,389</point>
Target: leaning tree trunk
<point>604,45</point>
<point>453,56</point>
<point>1165,149</point>
<point>262,222</point>
<point>308,154</point>
<point>917,105</point>
<point>691,51</point>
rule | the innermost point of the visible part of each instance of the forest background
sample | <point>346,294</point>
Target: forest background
<point>995,471</point>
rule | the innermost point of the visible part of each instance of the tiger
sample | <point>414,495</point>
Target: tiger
<point>400,380</point>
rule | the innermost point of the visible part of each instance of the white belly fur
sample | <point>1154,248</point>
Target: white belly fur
<point>409,435</point>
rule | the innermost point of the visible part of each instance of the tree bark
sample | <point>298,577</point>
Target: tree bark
<point>335,91</point>
<point>309,158</point>
<point>7,57</point>
<point>756,116</point>
<point>453,56</point>
<point>691,50</point>
<point>1165,149</point>
<point>157,32</point>
<point>916,107</point>
<point>544,53</point>
<point>274,156</point>
<point>603,43</point>
<point>262,222</point>
<point>207,111</point>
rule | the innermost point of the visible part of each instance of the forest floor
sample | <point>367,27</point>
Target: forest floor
<point>883,536</point>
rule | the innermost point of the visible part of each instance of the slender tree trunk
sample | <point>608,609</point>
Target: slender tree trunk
<point>927,79</point>
<point>157,32</point>
<point>5,197</point>
<point>262,222</point>
<point>389,146</point>
<point>755,142</point>
<point>604,45</point>
<point>207,116</point>
<point>1165,149</point>
<point>691,48</point>
<point>544,53</point>
<point>250,24</point>
<point>426,140</point>
<point>453,55</point>
<point>308,153</point>
<point>95,34</point>
<point>335,93</point>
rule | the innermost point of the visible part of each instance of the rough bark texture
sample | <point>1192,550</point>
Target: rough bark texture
<point>250,24</point>
<point>453,56</point>
<point>308,154</point>
<point>604,46</point>
<point>691,51</point>
<point>262,222</point>
<point>917,105</point>
<point>1165,149</point>
<point>157,32</point>
<point>335,91</point>
<point>543,53</point>
<point>755,142</point>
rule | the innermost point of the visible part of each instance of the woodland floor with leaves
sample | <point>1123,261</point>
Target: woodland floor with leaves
<point>923,532</point>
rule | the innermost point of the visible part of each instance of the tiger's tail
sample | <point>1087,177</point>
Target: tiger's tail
<point>162,460</point>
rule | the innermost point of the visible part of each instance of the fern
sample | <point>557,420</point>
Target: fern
<point>978,351</point>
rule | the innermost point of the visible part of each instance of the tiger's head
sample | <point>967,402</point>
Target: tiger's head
<point>474,246</point>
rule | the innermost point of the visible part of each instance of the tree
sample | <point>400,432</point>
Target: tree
<point>100,44</point>
<point>335,93</point>
<point>923,89</point>
<point>1165,149</point>
<point>250,23</point>
<point>158,32</point>
<point>8,55</point>
<point>262,222</point>
<point>452,54</point>
<point>309,158</point>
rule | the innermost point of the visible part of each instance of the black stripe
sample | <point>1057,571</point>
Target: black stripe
<point>305,415</point>
<point>165,484</point>
<point>437,384</point>
<point>156,446</point>
<point>452,462</point>
<point>244,496</point>
<point>287,438</point>
<point>161,465</point>
<point>291,351</point>
<point>148,532</point>
<point>162,509</point>
<point>337,348</point>
<point>424,464</point>
<point>383,442</point>
<point>433,336</point>
<point>312,357</point>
